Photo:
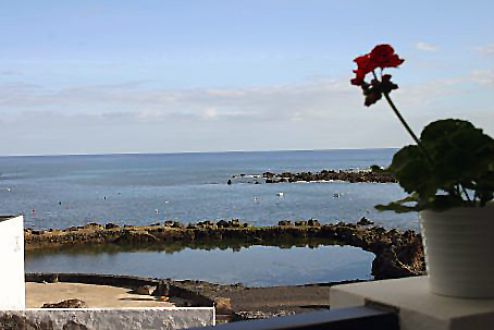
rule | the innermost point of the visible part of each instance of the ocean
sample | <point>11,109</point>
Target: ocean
<point>64,191</point>
<point>139,189</point>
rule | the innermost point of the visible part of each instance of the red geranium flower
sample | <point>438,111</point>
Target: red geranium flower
<point>383,56</point>
<point>364,66</point>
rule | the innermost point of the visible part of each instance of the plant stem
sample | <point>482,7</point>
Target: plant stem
<point>415,138</point>
<point>466,193</point>
<point>409,130</point>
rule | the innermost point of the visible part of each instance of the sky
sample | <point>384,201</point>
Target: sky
<point>158,76</point>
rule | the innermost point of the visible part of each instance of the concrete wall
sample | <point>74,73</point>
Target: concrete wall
<point>118,319</point>
<point>12,286</point>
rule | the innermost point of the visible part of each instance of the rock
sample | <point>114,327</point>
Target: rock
<point>223,306</point>
<point>300,223</point>
<point>134,236</point>
<point>206,224</point>
<point>73,325</point>
<point>313,223</point>
<point>229,182</point>
<point>223,224</point>
<point>111,226</point>
<point>38,232</point>
<point>163,289</point>
<point>70,303</point>
<point>52,278</point>
<point>235,223</point>
<point>365,222</point>
<point>268,175</point>
<point>144,290</point>
<point>177,224</point>
<point>331,175</point>
<point>93,226</point>
<point>12,321</point>
<point>283,223</point>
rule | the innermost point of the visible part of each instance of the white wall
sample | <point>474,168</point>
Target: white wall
<point>12,285</point>
<point>117,319</point>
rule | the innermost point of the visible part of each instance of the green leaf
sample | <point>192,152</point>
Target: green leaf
<point>454,157</point>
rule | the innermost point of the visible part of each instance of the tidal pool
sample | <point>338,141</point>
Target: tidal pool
<point>252,266</point>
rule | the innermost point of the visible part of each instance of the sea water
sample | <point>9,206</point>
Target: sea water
<point>64,191</point>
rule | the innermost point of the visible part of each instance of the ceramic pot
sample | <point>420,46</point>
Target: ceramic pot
<point>459,251</point>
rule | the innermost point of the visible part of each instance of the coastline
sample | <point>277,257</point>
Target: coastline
<point>398,254</point>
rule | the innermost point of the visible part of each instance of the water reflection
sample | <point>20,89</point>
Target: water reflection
<point>253,266</point>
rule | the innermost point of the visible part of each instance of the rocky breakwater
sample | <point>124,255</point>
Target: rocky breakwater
<point>374,175</point>
<point>397,253</point>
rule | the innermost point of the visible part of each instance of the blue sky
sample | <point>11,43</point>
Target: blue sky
<point>169,76</point>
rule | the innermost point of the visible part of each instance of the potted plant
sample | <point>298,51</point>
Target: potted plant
<point>449,177</point>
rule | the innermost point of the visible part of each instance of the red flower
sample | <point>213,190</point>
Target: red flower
<point>383,56</point>
<point>364,66</point>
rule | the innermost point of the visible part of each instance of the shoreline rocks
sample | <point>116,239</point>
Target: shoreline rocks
<point>398,254</point>
<point>372,176</point>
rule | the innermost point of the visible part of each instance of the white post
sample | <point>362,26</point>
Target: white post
<point>12,283</point>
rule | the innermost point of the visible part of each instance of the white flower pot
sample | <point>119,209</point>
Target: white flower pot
<point>459,251</point>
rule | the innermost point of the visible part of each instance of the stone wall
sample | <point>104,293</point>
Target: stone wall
<point>119,319</point>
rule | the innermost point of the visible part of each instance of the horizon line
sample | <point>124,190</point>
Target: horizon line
<point>190,152</point>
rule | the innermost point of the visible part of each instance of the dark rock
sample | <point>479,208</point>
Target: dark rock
<point>300,223</point>
<point>70,303</point>
<point>331,175</point>
<point>223,224</point>
<point>111,226</point>
<point>313,223</point>
<point>365,222</point>
<point>11,321</point>
<point>169,223</point>
<point>136,237</point>
<point>73,325</point>
<point>284,223</point>
<point>144,290</point>
<point>177,224</point>
<point>93,226</point>
<point>52,278</point>
<point>163,289</point>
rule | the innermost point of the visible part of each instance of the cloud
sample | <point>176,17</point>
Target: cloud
<point>483,77</point>
<point>10,73</point>
<point>311,99</point>
<point>426,47</point>
<point>487,50</point>
<point>133,117</point>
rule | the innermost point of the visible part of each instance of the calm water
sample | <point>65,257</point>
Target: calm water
<point>254,266</point>
<point>62,191</point>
